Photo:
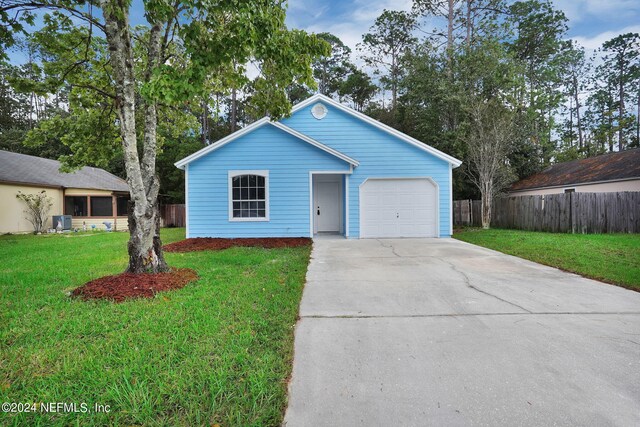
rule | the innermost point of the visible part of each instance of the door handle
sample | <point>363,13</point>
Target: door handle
<point>397,215</point>
<point>318,210</point>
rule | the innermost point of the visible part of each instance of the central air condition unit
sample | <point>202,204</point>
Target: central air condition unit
<point>65,220</point>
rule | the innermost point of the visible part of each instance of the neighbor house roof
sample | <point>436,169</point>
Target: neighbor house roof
<point>264,121</point>
<point>619,166</point>
<point>24,169</point>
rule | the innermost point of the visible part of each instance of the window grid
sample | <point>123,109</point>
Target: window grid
<point>248,196</point>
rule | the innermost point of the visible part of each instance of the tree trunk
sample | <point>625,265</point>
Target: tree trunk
<point>621,109</point>
<point>610,120</point>
<point>469,23</point>
<point>145,247</point>
<point>638,121</point>
<point>450,19</point>
<point>205,123</point>
<point>486,196</point>
<point>570,122</point>
<point>234,110</point>
<point>394,80</point>
<point>141,259</point>
<point>579,122</point>
<point>450,23</point>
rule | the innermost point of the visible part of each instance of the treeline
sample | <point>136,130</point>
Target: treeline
<point>494,63</point>
<point>497,84</point>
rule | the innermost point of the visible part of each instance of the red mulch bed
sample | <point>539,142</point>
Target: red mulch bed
<point>127,285</point>
<point>217,244</point>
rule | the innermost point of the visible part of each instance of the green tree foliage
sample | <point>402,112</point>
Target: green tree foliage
<point>384,47</point>
<point>124,82</point>
<point>622,68</point>
<point>575,72</point>
<point>358,89</point>
<point>331,71</point>
<point>537,43</point>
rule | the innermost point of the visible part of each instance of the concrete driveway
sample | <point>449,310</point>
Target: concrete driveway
<point>419,332</point>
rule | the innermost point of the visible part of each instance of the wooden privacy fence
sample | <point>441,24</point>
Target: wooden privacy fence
<point>563,213</point>
<point>173,216</point>
<point>467,212</point>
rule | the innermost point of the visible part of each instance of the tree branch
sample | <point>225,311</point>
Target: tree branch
<point>28,6</point>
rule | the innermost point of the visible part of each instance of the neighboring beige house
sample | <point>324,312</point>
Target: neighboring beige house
<point>606,173</point>
<point>90,195</point>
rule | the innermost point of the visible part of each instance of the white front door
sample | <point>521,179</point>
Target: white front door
<point>327,206</point>
<point>398,208</point>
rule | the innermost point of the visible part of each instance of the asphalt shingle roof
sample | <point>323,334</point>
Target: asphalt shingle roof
<point>606,167</point>
<point>21,168</point>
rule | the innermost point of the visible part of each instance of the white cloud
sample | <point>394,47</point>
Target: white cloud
<point>611,10</point>
<point>309,9</point>
<point>367,11</point>
<point>595,42</point>
<point>349,26</point>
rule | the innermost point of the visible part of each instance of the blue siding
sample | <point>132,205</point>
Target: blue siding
<point>288,161</point>
<point>379,153</point>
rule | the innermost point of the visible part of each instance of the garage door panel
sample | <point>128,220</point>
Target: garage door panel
<point>398,208</point>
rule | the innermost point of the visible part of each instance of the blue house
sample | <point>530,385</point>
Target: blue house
<point>325,169</point>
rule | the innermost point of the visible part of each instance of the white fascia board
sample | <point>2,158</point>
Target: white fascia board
<point>180,164</point>
<point>315,143</point>
<point>406,138</point>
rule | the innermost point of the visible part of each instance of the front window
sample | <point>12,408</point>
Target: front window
<point>249,196</point>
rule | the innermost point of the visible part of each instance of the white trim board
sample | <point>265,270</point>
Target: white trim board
<point>388,129</point>
<point>180,164</point>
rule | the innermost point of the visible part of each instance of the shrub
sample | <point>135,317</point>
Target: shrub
<point>38,207</point>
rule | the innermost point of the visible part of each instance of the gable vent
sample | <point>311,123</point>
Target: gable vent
<point>319,111</point>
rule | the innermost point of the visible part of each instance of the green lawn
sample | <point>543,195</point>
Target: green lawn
<point>215,352</point>
<point>612,258</point>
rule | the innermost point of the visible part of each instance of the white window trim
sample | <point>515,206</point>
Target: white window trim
<point>234,173</point>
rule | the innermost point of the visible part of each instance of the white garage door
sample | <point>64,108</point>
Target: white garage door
<point>398,208</point>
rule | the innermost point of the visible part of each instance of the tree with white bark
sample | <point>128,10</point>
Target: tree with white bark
<point>489,142</point>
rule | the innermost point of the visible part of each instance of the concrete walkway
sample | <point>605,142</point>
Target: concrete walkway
<point>419,332</point>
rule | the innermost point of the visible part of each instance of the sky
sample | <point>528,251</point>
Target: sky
<point>591,22</point>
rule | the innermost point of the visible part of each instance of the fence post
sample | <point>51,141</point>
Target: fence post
<point>571,222</point>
